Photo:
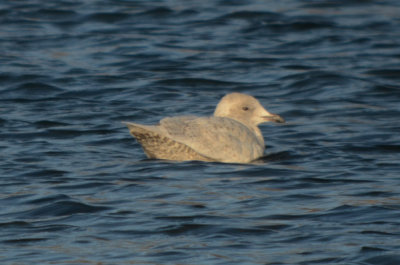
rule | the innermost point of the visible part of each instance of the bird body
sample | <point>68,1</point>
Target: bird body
<point>230,136</point>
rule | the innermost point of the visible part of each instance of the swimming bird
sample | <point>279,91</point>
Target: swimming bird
<point>231,135</point>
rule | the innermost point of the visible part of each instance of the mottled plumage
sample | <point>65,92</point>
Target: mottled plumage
<point>231,135</point>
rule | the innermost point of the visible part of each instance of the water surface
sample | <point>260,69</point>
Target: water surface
<point>78,189</point>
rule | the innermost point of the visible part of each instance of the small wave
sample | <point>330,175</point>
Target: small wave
<point>392,74</point>
<point>158,11</point>
<point>383,259</point>
<point>30,90</point>
<point>112,17</point>
<point>62,208</point>
<point>23,241</point>
<point>252,15</point>
<point>49,124</point>
<point>192,82</point>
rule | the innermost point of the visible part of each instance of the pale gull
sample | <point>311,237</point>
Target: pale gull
<point>231,135</point>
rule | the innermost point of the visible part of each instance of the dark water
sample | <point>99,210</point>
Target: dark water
<point>77,189</point>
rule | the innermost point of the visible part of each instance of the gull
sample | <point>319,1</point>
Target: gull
<point>231,135</point>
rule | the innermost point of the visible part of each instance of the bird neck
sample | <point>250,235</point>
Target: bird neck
<point>255,130</point>
<point>252,127</point>
<point>258,134</point>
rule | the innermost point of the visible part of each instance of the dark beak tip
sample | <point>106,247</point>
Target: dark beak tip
<point>277,118</point>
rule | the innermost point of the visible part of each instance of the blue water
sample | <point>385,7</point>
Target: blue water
<point>76,188</point>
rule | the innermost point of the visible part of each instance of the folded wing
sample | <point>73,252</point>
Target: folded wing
<point>221,139</point>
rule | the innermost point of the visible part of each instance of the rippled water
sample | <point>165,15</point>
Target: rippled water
<point>76,188</point>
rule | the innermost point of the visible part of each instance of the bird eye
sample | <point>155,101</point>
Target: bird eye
<point>245,108</point>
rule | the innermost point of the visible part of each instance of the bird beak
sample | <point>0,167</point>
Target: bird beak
<point>274,118</point>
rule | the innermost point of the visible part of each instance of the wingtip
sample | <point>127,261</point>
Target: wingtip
<point>130,125</point>
<point>133,126</point>
<point>127,123</point>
